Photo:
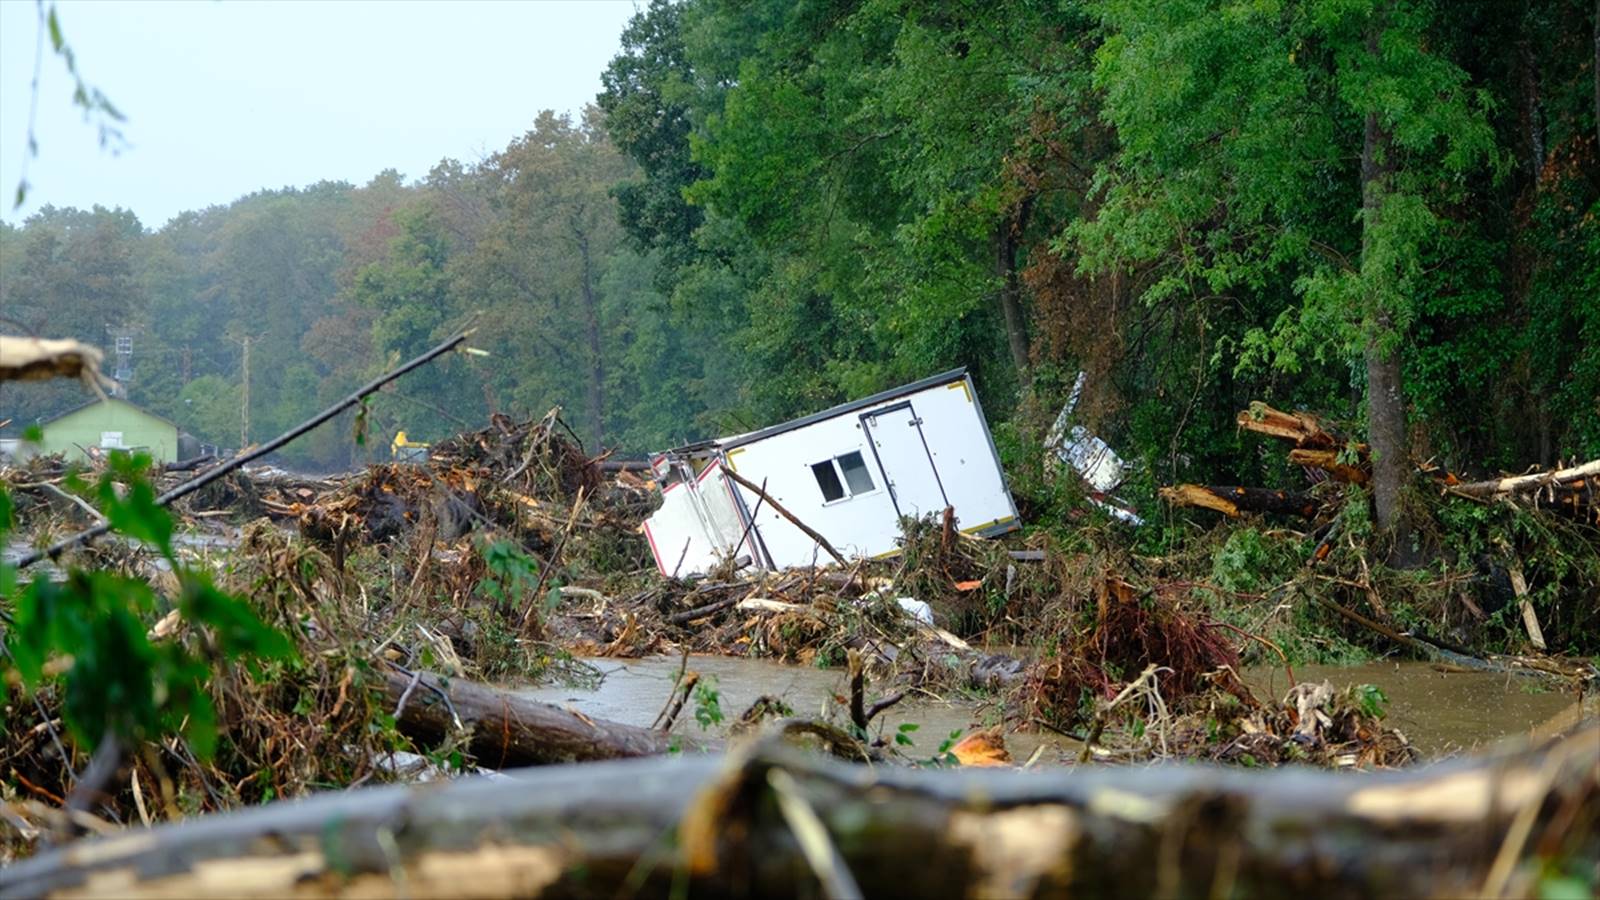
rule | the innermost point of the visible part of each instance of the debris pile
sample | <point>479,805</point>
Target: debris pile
<point>1314,723</point>
<point>508,553</point>
<point>523,480</point>
<point>1129,632</point>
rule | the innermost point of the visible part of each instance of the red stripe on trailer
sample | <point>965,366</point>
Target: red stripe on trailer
<point>660,566</point>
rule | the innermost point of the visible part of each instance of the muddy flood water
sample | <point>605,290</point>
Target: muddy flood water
<point>1442,713</point>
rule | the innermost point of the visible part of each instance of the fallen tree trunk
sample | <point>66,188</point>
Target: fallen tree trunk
<point>508,730</point>
<point>1235,501</point>
<point>773,823</point>
<point>1523,483</point>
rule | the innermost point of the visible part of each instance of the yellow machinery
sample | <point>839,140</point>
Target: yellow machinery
<point>405,450</point>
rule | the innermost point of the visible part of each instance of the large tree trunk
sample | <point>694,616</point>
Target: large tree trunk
<point>1005,265</point>
<point>1530,114</point>
<point>773,823</point>
<point>597,363</point>
<point>508,730</point>
<point>1386,409</point>
<point>1386,427</point>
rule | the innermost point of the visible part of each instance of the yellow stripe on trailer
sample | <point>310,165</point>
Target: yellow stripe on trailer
<point>988,525</point>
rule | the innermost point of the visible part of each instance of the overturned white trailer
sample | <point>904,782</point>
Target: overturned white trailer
<point>849,473</point>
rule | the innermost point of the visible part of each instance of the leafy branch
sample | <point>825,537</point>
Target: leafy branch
<point>94,103</point>
<point>89,631</point>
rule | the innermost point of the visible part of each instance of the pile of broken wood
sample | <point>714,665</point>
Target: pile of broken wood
<point>529,479</point>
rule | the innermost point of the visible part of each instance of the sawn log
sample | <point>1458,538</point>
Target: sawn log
<point>728,826</point>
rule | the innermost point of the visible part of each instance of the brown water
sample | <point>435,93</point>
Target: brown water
<point>634,691</point>
<point>1440,712</point>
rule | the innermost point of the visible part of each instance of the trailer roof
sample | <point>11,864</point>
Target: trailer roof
<point>751,437</point>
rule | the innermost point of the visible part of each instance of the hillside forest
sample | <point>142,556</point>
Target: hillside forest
<point>1385,211</point>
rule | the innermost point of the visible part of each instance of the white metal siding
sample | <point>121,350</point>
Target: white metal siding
<point>858,525</point>
<point>959,443</point>
<point>946,455</point>
<point>901,452</point>
<point>697,524</point>
<point>867,525</point>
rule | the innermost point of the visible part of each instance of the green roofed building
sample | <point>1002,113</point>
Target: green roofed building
<point>110,424</point>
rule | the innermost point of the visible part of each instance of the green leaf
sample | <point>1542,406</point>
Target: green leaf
<point>134,513</point>
<point>239,632</point>
<point>1564,887</point>
<point>56,40</point>
<point>201,728</point>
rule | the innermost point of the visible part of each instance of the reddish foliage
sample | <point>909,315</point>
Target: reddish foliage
<point>1132,630</point>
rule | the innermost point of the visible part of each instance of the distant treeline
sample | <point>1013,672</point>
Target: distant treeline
<point>333,283</point>
<point>1383,210</point>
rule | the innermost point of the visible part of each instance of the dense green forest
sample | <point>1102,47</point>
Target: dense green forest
<point>1386,211</point>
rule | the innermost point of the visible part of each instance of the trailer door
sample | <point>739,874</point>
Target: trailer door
<point>903,458</point>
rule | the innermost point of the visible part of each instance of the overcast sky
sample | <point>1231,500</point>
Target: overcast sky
<point>225,98</point>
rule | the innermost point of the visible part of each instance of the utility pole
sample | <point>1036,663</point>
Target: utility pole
<point>121,339</point>
<point>244,417</point>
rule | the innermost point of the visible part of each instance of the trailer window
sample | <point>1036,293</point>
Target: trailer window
<point>855,473</point>
<point>828,480</point>
<point>856,479</point>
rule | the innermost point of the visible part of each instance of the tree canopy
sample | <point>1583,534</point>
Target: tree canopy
<point>1385,210</point>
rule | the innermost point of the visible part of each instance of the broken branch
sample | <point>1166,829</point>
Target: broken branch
<point>779,509</point>
<point>1234,501</point>
<point>1499,486</point>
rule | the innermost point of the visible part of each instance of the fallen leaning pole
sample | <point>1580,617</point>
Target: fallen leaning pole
<point>194,484</point>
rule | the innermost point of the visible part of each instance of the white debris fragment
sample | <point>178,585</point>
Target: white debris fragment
<point>917,609</point>
<point>1076,446</point>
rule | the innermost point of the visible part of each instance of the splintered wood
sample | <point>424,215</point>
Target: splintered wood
<point>1234,501</point>
<point>1301,428</point>
<point>1570,491</point>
